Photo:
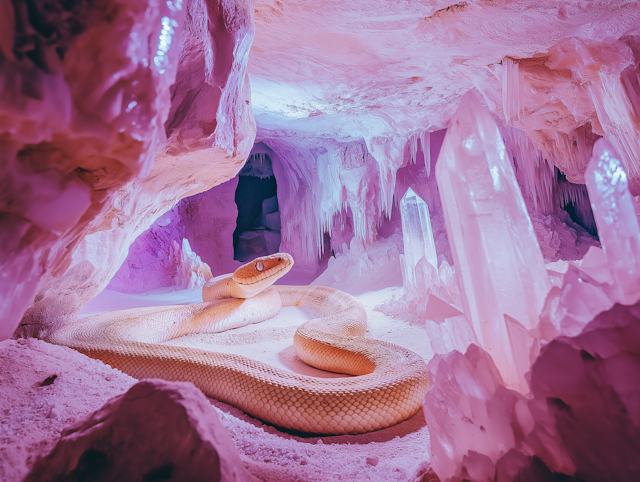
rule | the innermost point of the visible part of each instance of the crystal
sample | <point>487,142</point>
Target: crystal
<point>417,236</point>
<point>425,142</point>
<point>617,219</point>
<point>497,257</point>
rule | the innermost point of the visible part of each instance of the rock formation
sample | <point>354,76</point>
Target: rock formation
<point>158,430</point>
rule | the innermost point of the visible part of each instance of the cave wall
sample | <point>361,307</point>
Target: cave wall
<point>80,146</point>
<point>83,99</point>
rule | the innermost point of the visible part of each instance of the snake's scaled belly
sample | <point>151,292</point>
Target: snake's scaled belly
<point>389,387</point>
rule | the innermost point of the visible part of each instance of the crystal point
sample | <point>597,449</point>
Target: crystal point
<point>498,260</point>
<point>617,219</point>
<point>417,236</point>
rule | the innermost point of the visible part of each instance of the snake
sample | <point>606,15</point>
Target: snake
<point>383,385</point>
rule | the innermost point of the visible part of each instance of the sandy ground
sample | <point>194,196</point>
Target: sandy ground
<point>32,416</point>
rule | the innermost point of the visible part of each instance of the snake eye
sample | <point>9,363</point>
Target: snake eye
<point>260,266</point>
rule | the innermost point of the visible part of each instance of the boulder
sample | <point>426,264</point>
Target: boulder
<point>158,430</point>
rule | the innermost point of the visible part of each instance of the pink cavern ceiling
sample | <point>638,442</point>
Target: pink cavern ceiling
<point>365,68</point>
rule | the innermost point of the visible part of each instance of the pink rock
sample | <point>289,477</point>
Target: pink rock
<point>90,122</point>
<point>158,430</point>
<point>586,395</point>
<point>211,131</point>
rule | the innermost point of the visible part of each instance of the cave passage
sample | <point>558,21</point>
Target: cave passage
<point>257,230</point>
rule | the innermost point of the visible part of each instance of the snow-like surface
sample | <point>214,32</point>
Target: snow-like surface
<point>31,417</point>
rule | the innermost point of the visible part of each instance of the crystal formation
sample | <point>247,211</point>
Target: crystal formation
<point>617,219</point>
<point>417,236</point>
<point>499,264</point>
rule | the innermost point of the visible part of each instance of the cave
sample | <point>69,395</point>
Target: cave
<point>291,241</point>
<point>258,226</point>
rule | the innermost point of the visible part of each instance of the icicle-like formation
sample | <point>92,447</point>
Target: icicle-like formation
<point>425,146</point>
<point>615,212</point>
<point>388,154</point>
<point>576,195</point>
<point>497,258</point>
<point>631,82</point>
<point>317,182</point>
<point>511,103</point>
<point>413,148</point>
<point>258,165</point>
<point>538,175</point>
<point>417,237</point>
<point>425,142</point>
<point>616,115</point>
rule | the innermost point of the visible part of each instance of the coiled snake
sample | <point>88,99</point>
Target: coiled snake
<point>388,388</point>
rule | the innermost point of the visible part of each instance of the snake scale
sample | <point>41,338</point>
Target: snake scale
<point>389,383</point>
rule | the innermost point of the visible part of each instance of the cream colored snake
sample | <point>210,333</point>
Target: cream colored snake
<point>389,387</point>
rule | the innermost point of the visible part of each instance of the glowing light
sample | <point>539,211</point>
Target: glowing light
<point>161,60</point>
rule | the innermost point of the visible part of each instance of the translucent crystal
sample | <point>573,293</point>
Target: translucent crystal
<point>617,219</point>
<point>425,141</point>
<point>497,258</point>
<point>417,237</point>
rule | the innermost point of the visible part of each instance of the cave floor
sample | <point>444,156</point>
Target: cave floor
<point>31,416</point>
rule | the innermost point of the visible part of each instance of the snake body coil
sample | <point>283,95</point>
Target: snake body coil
<point>389,387</point>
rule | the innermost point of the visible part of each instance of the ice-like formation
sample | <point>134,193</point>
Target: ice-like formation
<point>580,421</point>
<point>616,215</point>
<point>192,272</point>
<point>322,185</point>
<point>358,268</point>
<point>417,237</point>
<point>425,146</point>
<point>498,261</point>
<point>511,95</point>
<point>465,410</point>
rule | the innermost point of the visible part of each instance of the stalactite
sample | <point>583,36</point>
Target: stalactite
<point>511,98</point>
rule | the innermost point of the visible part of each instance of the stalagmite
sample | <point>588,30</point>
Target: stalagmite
<point>417,236</point>
<point>499,264</point>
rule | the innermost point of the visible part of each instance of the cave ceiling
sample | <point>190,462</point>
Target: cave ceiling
<point>364,68</point>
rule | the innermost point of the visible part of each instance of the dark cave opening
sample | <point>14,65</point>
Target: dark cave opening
<point>574,199</point>
<point>258,226</point>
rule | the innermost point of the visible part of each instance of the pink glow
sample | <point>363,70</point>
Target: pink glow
<point>124,125</point>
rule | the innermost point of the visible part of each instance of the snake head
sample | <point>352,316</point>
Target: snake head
<point>263,271</point>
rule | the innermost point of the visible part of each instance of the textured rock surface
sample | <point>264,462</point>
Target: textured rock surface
<point>327,67</point>
<point>41,384</point>
<point>83,99</point>
<point>158,430</point>
<point>211,130</point>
